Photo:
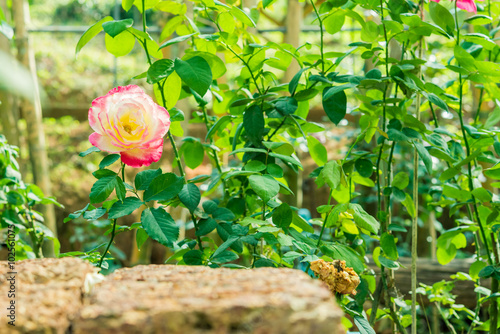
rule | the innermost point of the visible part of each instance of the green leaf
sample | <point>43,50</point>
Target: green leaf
<point>226,22</point>
<point>206,226</point>
<point>14,198</point>
<point>388,244</point>
<point>275,171</point>
<point>286,106</point>
<point>108,160</point>
<point>388,263</point>
<point>335,105</point>
<point>164,187</point>
<point>401,180</point>
<point>433,98</point>
<point>445,255</point>
<point>225,245</point>
<point>363,325</point>
<point>120,209</point>
<point>193,153</point>
<point>364,167</point>
<point>442,17</point>
<point>100,173</point>
<point>409,205</point>
<point>261,263</point>
<point>242,16</point>
<point>338,251</point>
<point>317,150</point>
<point>121,45</point>
<point>265,187</point>
<point>221,124</point>
<point>334,22</point>
<point>224,257</point>
<point>160,226</point>
<point>209,206</point>
<point>144,178</point>
<point>301,223</point>
<point>283,216</point>
<point>120,188</point>
<point>424,155</point>
<point>195,72</point>
<point>177,40</point>
<point>464,58</point>
<point>280,147</point>
<point>479,20</point>
<point>190,196</point>
<point>114,28</point>
<point>331,174</point>
<point>102,189</point>
<point>89,150</point>
<point>140,237</point>
<point>255,166</point>
<point>482,194</point>
<point>363,219</point>
<point>159,70</point>
<point>91,32</point>
<point>292,86</point>
<point>217,66</point>
<point>172,7</point>
<point>193,258</point>
<point>253,123</point>
<point>127,4</point>
<point>223,214</point>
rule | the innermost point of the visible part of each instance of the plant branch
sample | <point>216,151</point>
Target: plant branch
<point>109,243</point>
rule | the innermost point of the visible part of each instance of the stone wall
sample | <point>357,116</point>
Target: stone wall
<point>67,296</point>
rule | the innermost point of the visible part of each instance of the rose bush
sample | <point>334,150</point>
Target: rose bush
<point>129,122</point>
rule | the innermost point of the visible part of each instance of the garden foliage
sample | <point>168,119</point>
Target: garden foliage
<point>258,120</point>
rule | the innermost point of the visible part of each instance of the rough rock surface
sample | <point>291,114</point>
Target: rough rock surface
<point>48,294</point>
<point>171,299</point>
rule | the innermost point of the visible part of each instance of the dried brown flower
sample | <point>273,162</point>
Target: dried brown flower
<point>335,274</point>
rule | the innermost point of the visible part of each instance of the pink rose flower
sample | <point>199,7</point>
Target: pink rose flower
<point>467,5</point>
<point>129,122</point>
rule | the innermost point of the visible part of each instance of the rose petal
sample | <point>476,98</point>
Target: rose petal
<point>139,157</point>
<point>104,143</point>
<point>467,5</point>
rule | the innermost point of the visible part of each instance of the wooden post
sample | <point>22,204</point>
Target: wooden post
<point>32,113</point>
<point>8,117</point>
<point>292,35</point>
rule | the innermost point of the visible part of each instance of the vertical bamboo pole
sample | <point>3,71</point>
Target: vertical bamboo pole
<point>292,36</point>
<point>32,112</point>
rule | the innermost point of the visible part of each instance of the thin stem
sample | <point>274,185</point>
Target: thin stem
<point>123,172</point>
<point>414,222</point>
<point>393,314</point>
<point>375,303</point>
<point>235,54</point>
<point>322,41</point>
<point>164,101</point>
<point>434,115</point>
<point>276,130</point>
<point>109,243</point>
<point>322,230</point>
<point>216,157</point>
<point>385,38</point>
<point>377,171</point>
<point>446,321</point>
<point>481,92</point>
<point>37,249</point>
<point>324,222</point>
<point>198,238</point>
